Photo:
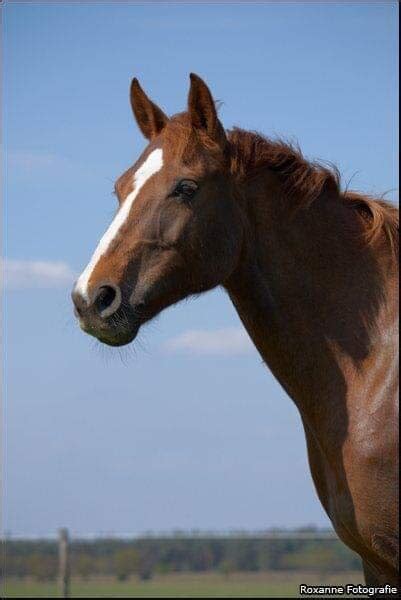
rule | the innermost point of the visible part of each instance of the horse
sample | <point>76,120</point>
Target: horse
<point>311,270</point>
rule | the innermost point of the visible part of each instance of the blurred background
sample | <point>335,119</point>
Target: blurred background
<point>184,441</point>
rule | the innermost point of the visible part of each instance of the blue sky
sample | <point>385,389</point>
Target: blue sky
<point>188,429</point>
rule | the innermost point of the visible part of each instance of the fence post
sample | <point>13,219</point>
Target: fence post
<point>63,563</point>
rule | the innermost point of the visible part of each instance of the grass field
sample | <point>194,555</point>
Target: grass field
<point>185,585</point>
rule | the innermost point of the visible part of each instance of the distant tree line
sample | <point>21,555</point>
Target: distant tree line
<point>145,556</point>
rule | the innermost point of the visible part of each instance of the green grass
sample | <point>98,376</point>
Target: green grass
<point>184,585</point>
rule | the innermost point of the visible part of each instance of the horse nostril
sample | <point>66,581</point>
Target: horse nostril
<point>105,299</point>
<point>105,296</point>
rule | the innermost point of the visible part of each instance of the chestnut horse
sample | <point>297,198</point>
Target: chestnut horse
<point>311,270</point>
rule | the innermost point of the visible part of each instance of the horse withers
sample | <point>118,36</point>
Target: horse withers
<point>311,270</point>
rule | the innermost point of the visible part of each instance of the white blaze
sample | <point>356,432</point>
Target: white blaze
<point>152,165</point>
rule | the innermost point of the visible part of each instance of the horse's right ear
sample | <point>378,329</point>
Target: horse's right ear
<point>150,118</point>
<point>202,110</point>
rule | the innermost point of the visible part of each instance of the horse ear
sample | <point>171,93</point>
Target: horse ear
<point>150,118</point>
<point>202,110</point>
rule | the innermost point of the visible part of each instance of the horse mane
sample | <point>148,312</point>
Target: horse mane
<point>304,181</point>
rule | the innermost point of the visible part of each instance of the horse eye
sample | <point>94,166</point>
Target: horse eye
<point>185,190</point>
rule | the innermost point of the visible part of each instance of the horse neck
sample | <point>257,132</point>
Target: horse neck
<point>311,295</point>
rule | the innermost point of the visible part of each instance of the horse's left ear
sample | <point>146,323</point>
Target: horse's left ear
<point>150,118</point>
<point>202,110</point>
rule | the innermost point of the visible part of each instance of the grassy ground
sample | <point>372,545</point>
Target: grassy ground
<point>184,585</point>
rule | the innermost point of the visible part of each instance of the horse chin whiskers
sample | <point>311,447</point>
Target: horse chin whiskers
<point>109,353</point>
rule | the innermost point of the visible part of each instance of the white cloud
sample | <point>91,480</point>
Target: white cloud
<point>224,342</point>
<point>23,274</point>
<point>45,164</point>
<point>31,161</point>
